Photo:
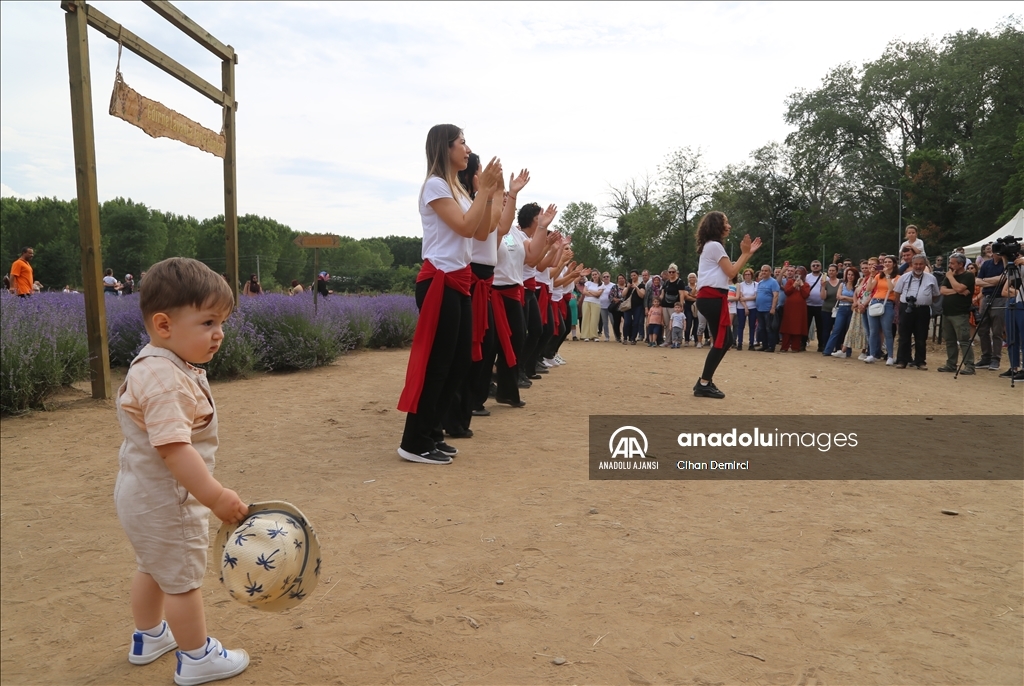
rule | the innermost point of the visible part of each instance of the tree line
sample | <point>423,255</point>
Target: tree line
<point>931,133</point>
<point>135,236</point>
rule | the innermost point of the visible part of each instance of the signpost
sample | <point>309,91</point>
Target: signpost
<point>317,242</point>
<point>149,116</point>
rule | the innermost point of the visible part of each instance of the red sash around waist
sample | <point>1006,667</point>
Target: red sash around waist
<point>481,296</point>
<point>501,327</point>
<point>426,328</point>
<point>530,284</point>
<point>723,318</point>
<point>544,299</point>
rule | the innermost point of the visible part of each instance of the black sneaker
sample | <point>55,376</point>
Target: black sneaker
<point>983,362</point>
<point>540,370</point>
<point>430,457</point>
<point>967,372</point>
<point>465,433</point>
<point>1008,374</point>
<point>510,402</point>
<point>1019,376</point>
<point>709,391</point>
<point>524,382</point>
<point>481,412</point>
<point>443,447</point>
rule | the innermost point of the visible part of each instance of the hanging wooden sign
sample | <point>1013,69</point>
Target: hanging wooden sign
<point>160,121</point>
<point>321,241</point>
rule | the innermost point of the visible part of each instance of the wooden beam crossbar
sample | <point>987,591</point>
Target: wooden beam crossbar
<point>111,29</point>
<point>191,29</point>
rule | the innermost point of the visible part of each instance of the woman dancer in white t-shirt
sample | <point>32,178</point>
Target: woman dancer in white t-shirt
<point>714,273</point>
<point>440,355</point>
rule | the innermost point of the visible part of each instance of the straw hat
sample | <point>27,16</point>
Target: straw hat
<point>271,560</point>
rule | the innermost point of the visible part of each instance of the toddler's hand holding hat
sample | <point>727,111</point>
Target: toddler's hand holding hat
<point>229,507</point>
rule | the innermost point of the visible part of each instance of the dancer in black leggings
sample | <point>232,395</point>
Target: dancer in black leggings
<point>714,274</point>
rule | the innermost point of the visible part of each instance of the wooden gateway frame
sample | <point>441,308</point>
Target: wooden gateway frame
<point>79,16</point>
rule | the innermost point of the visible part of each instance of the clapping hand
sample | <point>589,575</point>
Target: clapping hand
<point>553,237</point>
<point>748,247</point>
<point>517,183</point>
<point>491,176</point>
<point>547,216</point>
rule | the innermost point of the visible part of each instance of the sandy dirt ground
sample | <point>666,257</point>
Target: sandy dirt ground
<point>814,582</point>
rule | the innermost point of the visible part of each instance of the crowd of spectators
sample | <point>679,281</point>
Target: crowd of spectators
<point>879,310</point>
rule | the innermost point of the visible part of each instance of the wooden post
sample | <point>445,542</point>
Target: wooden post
<point>88,203</point>
<point>230,196</point>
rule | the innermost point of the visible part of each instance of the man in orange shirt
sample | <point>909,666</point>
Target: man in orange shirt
<point>21,274</point>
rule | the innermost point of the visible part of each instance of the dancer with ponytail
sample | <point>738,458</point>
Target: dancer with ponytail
<point>440,355</point>
<point>714,274</point>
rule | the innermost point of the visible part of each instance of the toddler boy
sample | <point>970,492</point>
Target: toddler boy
<point>165,487</point>
<point>678,322</point>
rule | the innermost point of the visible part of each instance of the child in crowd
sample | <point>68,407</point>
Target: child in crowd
<point>678,322</point>
<point>654,323</point>
<point>165,483</point>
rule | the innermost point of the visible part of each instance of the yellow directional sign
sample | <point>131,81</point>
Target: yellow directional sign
<point>323,241</point>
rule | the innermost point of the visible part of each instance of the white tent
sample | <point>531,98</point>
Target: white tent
<point>1014,226</point>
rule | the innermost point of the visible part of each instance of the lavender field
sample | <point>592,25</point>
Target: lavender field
<point>43,341</point>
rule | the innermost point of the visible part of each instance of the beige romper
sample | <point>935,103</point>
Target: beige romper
<point>164,400</point>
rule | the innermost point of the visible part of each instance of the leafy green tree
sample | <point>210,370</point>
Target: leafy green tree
<point>182,235</point>
<point>589,239</point>
<point>406,250</point>
<point>133,236</point>
<point>51,227</point>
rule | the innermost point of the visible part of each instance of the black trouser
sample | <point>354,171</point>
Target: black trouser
<point>534,330</point>
<point>547,333</point>
<point>446,368</point>
<point>814,314</point>
<point>827,321</point>
<point>711,308</point>
<point>617,322</point>
<point>508,376</point>
<point>560,335</point>
<point>469,396</point>
<point>913,324</point>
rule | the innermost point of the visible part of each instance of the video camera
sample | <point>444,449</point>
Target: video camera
<point>1008,247</point>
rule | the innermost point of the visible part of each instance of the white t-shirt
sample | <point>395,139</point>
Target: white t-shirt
<point>486,252</point>
<point>606,295</point>
<point>709,272</point>
<point>528,271</point>
<point>109,281</point>
<point>593,299</point>
<point>748,293</point>
<point>917,245</point>
<point>732,303</point>
<point>509,269</point>
<point>446,250</point>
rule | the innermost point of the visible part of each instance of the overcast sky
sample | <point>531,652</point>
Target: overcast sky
<point>336,98</point>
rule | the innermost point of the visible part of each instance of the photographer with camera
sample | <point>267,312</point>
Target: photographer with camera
<point>1013,291</point>
<point>993,308</point>
<point>917,290</point>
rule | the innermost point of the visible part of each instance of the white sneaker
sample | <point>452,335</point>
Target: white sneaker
<point>700,345</point>
<point>890,362</point>
<point>862,357</point>
<point>146,648</point>
<point>549,363</point>
<point>839,353</point>
<point>559,360</point>
<point>870,360</point>
<point>218,663</point>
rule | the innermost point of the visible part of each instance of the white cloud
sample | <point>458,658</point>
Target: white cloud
<point>336,98</point>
